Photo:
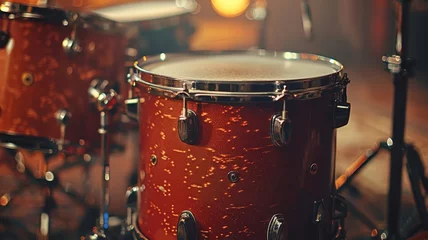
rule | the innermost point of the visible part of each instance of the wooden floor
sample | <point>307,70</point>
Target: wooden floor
<point>370,93</point>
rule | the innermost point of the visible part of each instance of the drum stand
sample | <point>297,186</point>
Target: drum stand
<point>105,103</point>
<point>400,67</point>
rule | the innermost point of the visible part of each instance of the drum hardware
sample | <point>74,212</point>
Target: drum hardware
<point>186,226</point>
<point>31,143</point>
<point>340,212</point>
<point>27,79</point>
<point>130,230</point>
<point>62,116</point>
<point>319,212</point>
<point>154,160</point>
<point>313,169</point>
<point>203,90</point>
<point>106,102</point>
<point>71,44</point>
<point>342,107</point>
<point>187,127</point>
<point>276,229</point>
<point>132,103</point>
<point>233,176</point>
<point>4,39</point>
<point>280,132</point>
<point>401,69</point>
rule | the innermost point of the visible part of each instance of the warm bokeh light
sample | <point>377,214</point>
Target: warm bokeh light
<point>230,8</point>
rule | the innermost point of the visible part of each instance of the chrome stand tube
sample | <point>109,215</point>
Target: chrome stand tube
<point>105,192</point>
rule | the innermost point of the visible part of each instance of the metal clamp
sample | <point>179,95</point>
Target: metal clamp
<point>105,100</point>
<point>393,63</point>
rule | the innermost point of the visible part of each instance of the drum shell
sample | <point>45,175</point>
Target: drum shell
<point>60,80</point>
<point>235,138</point>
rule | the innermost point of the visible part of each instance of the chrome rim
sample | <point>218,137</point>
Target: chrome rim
<point>238,91</point>
<point>54,15</point>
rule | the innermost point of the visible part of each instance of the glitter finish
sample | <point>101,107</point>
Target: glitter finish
<point>272,180</point>
<point>59,81</point>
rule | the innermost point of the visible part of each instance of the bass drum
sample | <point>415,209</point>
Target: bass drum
<point>54,64</point>
<point>239,145</point>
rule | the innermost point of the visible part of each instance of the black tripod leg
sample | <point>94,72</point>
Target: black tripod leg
<point>419,166</point>
<point>345,179</point>
<point>360,215</point>
<point>413,164</point>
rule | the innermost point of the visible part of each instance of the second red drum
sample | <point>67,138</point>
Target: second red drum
<point>239,145</point>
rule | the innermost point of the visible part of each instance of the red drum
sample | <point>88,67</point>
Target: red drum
<point>54,64</point>
<point>239,145</point>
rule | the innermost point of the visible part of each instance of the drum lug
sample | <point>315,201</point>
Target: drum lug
<point>341,114</point>
<point>132,103</point>
<point>276,227</point>
<point>132,108</point>
<point>319,212</point>
<point>4,39</point>
<point>342,109</point>
<point>280,131</point>
<point>131,203</point>
<point>186,227</point>
<point>339,214</point>
<point>188,127</point>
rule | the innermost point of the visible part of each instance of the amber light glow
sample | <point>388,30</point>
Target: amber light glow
<point>230,8</point>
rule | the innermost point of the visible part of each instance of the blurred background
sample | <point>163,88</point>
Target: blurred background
<point>357,33</point>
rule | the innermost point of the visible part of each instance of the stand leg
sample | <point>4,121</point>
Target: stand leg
<point>399,120</point>
<point>413,161</point>
<point>343,180</point>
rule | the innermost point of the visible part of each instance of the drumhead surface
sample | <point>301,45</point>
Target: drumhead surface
<point>240,67</point>
<point>141,11</point>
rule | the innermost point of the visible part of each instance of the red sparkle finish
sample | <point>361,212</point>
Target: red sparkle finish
<point>61,81</point>
<point>235,137</point>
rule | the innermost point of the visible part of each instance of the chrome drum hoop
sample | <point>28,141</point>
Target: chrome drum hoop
<point>239,91</point>
<point>90,20</point>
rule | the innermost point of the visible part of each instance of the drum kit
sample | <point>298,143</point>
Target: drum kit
<point>233,144</point>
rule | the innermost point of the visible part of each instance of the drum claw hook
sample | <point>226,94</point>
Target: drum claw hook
<point>183,93</point>
<point>284,94</point>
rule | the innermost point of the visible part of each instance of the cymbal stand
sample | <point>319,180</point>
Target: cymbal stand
<point>400,66</point>
<point>106,102</point>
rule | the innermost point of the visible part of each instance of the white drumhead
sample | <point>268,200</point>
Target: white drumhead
<point>240,67</point>
<point>141,11</point>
